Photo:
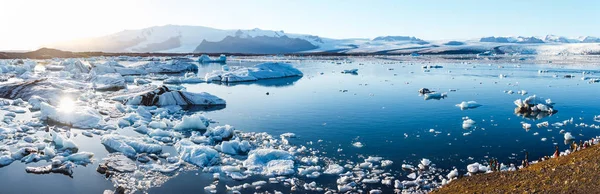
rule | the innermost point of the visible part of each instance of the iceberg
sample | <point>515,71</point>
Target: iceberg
<point>268,161</point>
<point>350,71</point>
<point>220,133</point>
<point>57,166</point>
<point>130,146</point>
<point>468,123</point>
<point>79,117</point>
<point>206,59</point>
<point>234,147</point>
<point>195,122</point>
<point>164,96</point>
<point>435,96</point>
<point>6,160</point>
<point>468,105</point>
<point>568,136</point>
<point>62,142</point>
<point>258,72</point>
<point>199,155</point>
<point>173,66</point>
<point>114,67</point>
<point>108,82</point>
<point>51,89</point>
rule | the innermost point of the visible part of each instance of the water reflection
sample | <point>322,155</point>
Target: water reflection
<point>203,108</point>
<point>533,115</point>
<point>279,82</point>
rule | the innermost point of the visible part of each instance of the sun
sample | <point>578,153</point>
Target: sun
<point>67,104</point>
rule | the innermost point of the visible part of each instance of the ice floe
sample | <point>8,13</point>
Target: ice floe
<point>258,72</point>
<point>468,105</point>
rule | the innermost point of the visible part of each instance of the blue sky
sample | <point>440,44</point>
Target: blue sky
<point>31,23</point>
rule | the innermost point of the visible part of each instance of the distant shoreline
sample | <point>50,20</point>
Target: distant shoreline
<point>467,56</point>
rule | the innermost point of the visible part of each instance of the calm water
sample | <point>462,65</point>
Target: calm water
<point>380,106</point>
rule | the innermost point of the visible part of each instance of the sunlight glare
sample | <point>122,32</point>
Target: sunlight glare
<point>66,104</point>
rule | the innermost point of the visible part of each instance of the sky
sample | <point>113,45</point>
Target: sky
<point>28,24</point>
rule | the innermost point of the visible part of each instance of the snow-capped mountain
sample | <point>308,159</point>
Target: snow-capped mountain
<point>185,39</point>
<point>199,39</point>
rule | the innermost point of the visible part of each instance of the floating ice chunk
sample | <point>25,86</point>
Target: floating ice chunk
<point>270,162</point>
<point>468,105</point>
<point>468,123</point>
<point>412,176</point>
<point>119,162</point>
<point>140,81</point>
<point>435,96</point>
<point>425,162</point>
<point>35,102</point>
<point>385,163</point>
<point>115,67</point>
<point>109,82</point>
<point>452,174</point>
<point>57,166</point>
<point>533,104</point>
<point>334,169</point>
<point>425,91</point>
<point>371,181</point>
<point>288,135</point>
<point>310,172</point>
<point>194,122</point>
<point>62,142</point>
<point>206,59</point>
<point>220,133</point>
<point>350,71</point>
<point>357,144</point>
<point>80,117</point>
<point>526,126</point>
<point>234,147</point>
<point>199,155</point>
<point>544,139</point>
<point>6,160</point>
<point>473,168</point>
<point>81,158</point>
<point>522,92</point>
<point>130,146</point>
<point>568,136</point>
<point>183,80</point>
<point>258,72</point>
<point>164,96</point>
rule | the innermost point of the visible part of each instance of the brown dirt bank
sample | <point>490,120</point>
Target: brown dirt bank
<point>576,173</point>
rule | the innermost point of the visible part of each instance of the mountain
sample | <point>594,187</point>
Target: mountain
<point>185,39</point>
<point>400,38</point>
<point>519,39</point>
<point>255,45</point>
<point>199,39</point>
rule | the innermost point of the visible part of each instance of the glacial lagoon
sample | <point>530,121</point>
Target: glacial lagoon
<point>350,120</point>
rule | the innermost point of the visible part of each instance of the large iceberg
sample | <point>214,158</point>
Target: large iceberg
<point>115,67</point>
<point>270,162</point>
<point>131,146</point>
<point>79,117</point>
<point>206,59</point>
<point>164,96</point>
<point>260,71</point>
<point>51,89</point>
<point>173,66</point>
<point>108,82</point>
<point>534,107</point>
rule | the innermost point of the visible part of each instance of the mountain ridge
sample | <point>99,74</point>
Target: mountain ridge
<point>188,39</point>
